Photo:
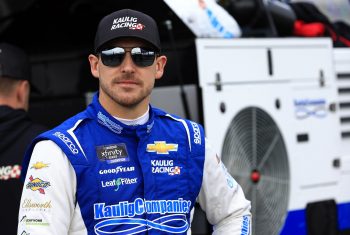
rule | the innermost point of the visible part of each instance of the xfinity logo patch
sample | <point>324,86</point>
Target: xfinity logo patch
<point>112,153</point>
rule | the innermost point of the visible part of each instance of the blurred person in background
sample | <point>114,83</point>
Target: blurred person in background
<point>16,131</point>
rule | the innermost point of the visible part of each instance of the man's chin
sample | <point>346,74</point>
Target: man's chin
<point>129,102</point>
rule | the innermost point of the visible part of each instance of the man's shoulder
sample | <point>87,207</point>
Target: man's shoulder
<point>171,116</point>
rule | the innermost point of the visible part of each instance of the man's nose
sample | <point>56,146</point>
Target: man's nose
<point>128,64</point>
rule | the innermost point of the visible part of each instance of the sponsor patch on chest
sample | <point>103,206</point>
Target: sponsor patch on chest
<point>161,147</point>
<point>112,153</point>
<point>165,167</point>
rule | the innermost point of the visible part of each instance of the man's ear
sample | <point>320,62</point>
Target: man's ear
<point>22,94</point>
<point>93,59</point>
<point>160,64</point>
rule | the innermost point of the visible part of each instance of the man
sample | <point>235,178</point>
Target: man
<point>123,166</point>
<point>16,130</point>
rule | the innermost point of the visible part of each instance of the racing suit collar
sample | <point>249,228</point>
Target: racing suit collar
<point>97,112</point>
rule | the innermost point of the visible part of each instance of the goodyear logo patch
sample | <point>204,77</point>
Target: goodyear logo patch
<point>161,147</point>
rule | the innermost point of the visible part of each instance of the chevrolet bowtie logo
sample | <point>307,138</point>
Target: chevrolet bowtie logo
<point>161,147</point>
<point>39,165</point>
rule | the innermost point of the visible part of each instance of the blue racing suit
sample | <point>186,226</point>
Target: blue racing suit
<point>141,179</point>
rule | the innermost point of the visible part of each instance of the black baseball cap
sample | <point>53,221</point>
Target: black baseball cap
<point>127,23</point>
<point>14,62</point>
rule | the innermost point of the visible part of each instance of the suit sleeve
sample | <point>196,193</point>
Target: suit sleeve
<point>222,198</point>
<point>48,197</point>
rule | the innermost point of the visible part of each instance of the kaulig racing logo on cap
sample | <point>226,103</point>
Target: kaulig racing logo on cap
<point>127,22</point>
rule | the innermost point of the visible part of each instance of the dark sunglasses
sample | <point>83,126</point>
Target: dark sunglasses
<point>141,57</point>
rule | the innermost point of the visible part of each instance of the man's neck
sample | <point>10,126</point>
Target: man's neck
<point>137,121</point>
